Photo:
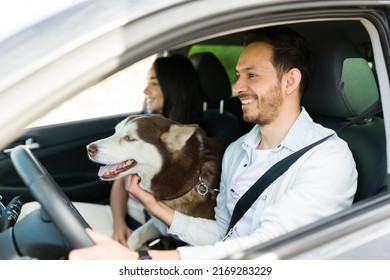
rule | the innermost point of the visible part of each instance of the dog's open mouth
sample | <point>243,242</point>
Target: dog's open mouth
<point>113,170</point>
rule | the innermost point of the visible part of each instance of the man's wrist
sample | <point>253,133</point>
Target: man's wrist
<point>144,255</point>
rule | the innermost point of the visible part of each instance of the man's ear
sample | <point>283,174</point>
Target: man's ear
<point>177,135</point>
<point>293,80</point>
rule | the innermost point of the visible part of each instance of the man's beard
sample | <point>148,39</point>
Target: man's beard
<point>268,107</point>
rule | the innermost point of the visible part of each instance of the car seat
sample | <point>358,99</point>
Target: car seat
<point>216,88</point>
<point>343,85</point>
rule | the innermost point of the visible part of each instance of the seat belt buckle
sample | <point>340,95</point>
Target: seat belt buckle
<point>228,234</point>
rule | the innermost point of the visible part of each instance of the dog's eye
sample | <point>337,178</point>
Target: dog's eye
<point>129,138</point>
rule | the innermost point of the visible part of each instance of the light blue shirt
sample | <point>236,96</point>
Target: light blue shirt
<point>258,165</point>
<point>322,182</point>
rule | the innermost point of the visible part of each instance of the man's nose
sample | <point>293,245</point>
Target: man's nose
<point>239,86</point>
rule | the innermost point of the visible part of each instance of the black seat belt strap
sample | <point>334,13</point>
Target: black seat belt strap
<point>374,109</point>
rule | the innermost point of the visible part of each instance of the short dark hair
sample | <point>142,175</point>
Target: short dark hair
<point>290,50</point>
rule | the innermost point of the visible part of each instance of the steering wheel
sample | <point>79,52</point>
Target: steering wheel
<point>53,200</point>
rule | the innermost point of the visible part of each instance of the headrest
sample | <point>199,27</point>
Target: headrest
<point>214,81</point>
<point>342,84</point>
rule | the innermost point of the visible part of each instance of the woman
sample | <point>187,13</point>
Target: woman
<point>172,90</point>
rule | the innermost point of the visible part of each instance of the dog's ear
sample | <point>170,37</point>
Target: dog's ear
<point>177,135</point>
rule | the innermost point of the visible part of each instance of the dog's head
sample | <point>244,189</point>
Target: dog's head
<point>145,145</point>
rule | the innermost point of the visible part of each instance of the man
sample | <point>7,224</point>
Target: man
<point>272,74</point>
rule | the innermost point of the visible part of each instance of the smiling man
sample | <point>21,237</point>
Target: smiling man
<point>272,75</point>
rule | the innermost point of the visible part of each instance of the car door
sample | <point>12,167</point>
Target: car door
<point>59,139</point>
<point>61,148</point>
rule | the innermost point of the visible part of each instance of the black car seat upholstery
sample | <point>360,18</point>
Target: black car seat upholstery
<point>342,86</point>
<point>216,88</point>
<point>233,105</point>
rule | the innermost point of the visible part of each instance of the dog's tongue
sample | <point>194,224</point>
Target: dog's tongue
<point>107,168</point>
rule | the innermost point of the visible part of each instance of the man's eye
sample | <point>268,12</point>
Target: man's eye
<point>129,138</point>
<point>251,75</point>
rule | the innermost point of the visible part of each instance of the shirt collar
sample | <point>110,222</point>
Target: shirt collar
<point>294,138</point>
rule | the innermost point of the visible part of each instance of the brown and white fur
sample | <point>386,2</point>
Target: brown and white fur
<point>170,158</point>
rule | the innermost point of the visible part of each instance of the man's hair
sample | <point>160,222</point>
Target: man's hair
<point>290,50</point>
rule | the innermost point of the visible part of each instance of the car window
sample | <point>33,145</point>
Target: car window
<point>228,55</point>
<point>119,93</point>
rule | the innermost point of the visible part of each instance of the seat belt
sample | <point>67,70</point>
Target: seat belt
<point>251,195</point>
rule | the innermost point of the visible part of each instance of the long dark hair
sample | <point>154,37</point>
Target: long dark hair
<point>180,86</point>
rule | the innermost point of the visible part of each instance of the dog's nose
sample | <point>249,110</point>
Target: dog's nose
<point>92,149</point>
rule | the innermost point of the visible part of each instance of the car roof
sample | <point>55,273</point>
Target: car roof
<point>18,15</point>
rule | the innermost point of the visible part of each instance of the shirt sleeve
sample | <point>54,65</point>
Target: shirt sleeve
<point>219,250</point>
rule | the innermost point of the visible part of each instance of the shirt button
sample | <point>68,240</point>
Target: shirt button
<point>264,197</point>
<point>245,165</point>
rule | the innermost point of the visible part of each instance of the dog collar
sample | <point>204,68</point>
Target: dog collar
<point>203,189</point>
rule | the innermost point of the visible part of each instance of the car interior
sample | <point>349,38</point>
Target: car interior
<point>216,89</point>
<point>343,85</point>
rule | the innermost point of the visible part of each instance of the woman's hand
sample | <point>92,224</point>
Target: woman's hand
<point>121,234</point>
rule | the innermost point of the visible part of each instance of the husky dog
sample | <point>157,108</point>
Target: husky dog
<point>177,163</point>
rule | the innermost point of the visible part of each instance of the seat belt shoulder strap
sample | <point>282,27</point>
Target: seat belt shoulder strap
<point>251,195</point>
